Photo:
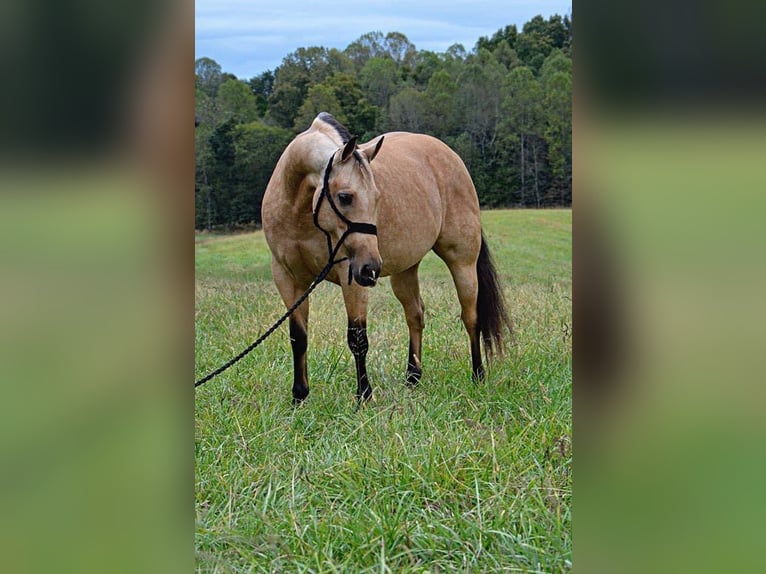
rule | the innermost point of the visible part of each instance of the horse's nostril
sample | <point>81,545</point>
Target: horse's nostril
<point>369,272</point>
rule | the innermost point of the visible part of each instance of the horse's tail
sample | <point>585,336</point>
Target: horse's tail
<point>493,320</point>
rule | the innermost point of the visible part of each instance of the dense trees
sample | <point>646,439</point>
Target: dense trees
<point>505,107</point>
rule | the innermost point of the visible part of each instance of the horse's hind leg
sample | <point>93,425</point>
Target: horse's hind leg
<point>461,262</point>
<point>406,288</point>
<point>355,298</point>
<point>467,285</point>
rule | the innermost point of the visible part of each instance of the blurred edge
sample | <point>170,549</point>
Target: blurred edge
<point>96,168</point>
<point>669,144</point>
<point>96,268</point>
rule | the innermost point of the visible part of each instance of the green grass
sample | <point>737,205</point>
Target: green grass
<point>452,476</point>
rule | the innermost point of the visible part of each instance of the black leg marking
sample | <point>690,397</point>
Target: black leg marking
<point>299,343</point>
<point>414,370</point>
<point>358,343</point>
<point>477,368</point>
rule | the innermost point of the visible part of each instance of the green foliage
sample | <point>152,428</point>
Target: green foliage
<point>556,78</point>
<point>426,64</point>
<point>234,176</point>
<point>320,97</point>
<point>452,476</point>
<point>340,95</point>
<point>506,55</point>
<point>360,114</point>
<point>380,78</point>
<point>505,107</point>
<point>207,75</point>
<point>262,86</point>
<point>299,71</point>
<point>238,101</point>
<point>399,49</point>
<point>507,35</point>
<point>440,104</point>
<point>522,125</point>
<point>407,111</point>
<point>368,46</point>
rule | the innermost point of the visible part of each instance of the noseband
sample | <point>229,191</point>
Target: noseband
<point>351,226</point>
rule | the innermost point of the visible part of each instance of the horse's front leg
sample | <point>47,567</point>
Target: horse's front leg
<point>355,298</point>
<point>299,322</point>
<point>299,343</point>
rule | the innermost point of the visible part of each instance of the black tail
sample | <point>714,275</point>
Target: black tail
<point>493,320</point>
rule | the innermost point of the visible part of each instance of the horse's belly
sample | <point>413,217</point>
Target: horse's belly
<point>405,246</point>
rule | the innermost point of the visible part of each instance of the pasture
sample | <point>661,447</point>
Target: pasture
<point>452,476</point>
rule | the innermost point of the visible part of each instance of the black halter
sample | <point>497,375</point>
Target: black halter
<point>351,226</point>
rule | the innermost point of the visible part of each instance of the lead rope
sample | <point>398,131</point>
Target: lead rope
<point>319,278</point>
<point>352,227</point>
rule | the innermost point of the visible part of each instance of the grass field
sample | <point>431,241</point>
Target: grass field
<point>452,476</point>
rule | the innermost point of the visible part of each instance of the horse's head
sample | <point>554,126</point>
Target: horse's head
<point>346,207</point>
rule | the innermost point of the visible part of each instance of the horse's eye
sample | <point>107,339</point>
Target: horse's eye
<point>345,199</point>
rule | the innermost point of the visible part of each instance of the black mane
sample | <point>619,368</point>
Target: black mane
<point>342,131</point>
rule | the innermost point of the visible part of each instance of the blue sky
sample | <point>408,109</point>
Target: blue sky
<point>247,37</point>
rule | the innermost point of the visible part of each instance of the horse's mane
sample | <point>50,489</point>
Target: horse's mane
<point>340,129</point>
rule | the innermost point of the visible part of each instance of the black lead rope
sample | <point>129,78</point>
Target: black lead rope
<point>351,227</point>
<point>319,278</point>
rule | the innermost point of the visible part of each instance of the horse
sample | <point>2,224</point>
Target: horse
<point>383,208</point>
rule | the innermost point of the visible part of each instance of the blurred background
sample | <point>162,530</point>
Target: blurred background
<point>96,286</point>
<point>96,283</point>
<point>669,145</point>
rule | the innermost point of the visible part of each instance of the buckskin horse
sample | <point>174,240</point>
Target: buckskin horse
<point>382,207</point>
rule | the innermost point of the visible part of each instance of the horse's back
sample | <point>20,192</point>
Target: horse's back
<point>427,197</point>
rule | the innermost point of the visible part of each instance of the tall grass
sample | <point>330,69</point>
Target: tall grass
<point>450,476</point>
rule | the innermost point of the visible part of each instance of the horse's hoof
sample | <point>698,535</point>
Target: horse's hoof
<point>365,396</point>
<point>299,395</point>
<point>413,379</point>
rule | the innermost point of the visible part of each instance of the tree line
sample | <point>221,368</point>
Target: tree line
<point>504,107</point>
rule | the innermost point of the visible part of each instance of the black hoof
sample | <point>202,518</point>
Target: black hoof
<point>413,378</point>
<point>364,396</point>
<point>299,395</point>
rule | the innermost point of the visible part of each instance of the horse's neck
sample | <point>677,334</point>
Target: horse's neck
<point>307,160</point>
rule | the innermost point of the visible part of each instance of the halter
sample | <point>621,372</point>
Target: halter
<point>351,226</point>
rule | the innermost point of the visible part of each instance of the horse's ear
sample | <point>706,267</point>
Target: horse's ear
<point>349,149</point>
<point>371,153</point>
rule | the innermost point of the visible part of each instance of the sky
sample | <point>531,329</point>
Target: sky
<point>248,37</point>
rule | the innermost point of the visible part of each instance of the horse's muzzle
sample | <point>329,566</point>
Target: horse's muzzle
<point>366,275</point>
